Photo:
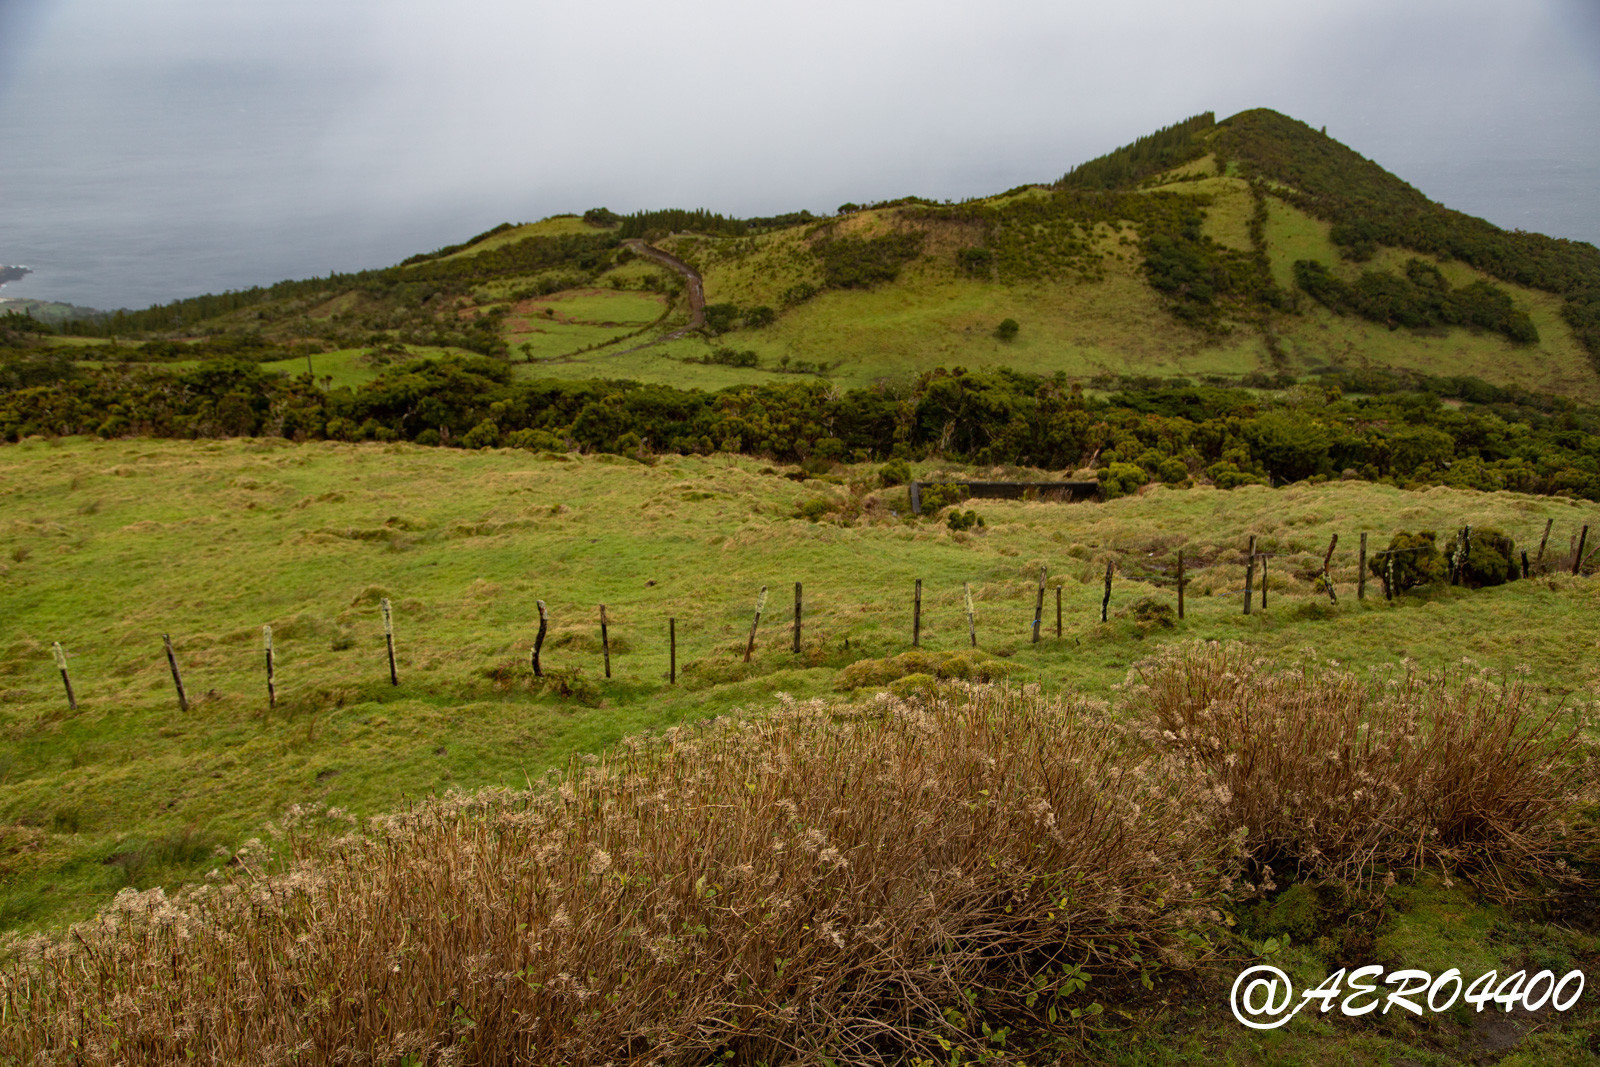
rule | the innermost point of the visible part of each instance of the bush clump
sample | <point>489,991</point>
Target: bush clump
<point>1491,559</point>
<point>1119,479</point>
<point>940,495</point>
<point>1415,560</point>
<point>1342,778</point>
<point>893,473</point>
<point>963,520</point>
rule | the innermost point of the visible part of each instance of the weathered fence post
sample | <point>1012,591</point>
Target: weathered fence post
<point>1250,574</point>
<point>750,646</point>
<point>1458,556</point>
<point>1180,584</point>
<point>1038,606</point>
<point>1327,578</point>
<point>1388,575</point>
<point>388,639</point>
<point>1105,601</point>
<point>1538,559</point>
<point>797,618</point>
<point>1264,557</point>
<point>605,640</point>
<point>1525,571</point>
<point>61,665</point>
<point>1361,569</point>
<point>916,616</point>
<point>272,688</point>
<point>1577,557</point>
<point>672,650</point>
<point>538,642</point>
<point>972,616</point>
<point>177,680</point>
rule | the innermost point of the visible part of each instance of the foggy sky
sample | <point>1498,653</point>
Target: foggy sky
<point>172,147</point>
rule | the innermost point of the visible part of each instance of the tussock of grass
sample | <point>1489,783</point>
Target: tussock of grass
<point>1344,778</point>
<point>972,666</point>
<point>811,887</point>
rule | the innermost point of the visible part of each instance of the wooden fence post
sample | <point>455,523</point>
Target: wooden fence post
<point>177,680</point>
<point>1105,601</point>
<point>1458,557</point>
<point>797,618</point>
<point>1361,569</point>
<point>916,616</point>
<point>1180,585</point>
<point>1327,578</point>
<point>1577,557</point>
<point>672,650</point>
<point>1540,557</point>
<point>1038,606</point>
<point>61,665</point>
<point>538,642</point>
<point>972,617</point>
<point>750,646</point>
<point>1525,571</point>
<point>1250,574</point>
<point>272,688</point>
<point>605,640</point>
<point>1388,575</point>
<point>388,639</point>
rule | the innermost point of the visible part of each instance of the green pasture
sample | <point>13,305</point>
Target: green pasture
<point>613,307</point>
<point>106,546</point>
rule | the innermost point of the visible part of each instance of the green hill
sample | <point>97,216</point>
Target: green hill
<point>1254,245</point>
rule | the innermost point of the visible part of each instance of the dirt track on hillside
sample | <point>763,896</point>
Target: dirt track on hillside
<point>696,290</point>
<point>697,302</point>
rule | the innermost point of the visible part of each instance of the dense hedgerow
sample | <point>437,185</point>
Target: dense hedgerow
<point>1150,431</point>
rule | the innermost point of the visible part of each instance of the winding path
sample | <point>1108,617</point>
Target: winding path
<point>697,304</point>
<point>697,289</point>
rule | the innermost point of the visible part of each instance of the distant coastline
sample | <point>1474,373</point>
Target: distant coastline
<point>52,311</point>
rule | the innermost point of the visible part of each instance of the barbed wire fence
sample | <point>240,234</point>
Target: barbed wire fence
<point>1578,560</point>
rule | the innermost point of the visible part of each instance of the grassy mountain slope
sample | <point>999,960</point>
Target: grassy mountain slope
<point>1175,255</point>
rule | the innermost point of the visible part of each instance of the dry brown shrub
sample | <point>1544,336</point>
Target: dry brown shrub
<point>1343,777</point>
<point>819,882</point>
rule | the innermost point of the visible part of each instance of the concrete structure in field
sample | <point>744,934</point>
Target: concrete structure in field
<point>1063,491</point>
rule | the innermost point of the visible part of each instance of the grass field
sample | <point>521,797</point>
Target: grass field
<point>107,546</point>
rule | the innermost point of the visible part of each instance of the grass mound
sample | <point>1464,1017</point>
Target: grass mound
<point>971,666</point>
<point>806,887</point>
<point>1344,778</point>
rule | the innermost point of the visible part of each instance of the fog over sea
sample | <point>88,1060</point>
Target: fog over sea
<point>150,152</point>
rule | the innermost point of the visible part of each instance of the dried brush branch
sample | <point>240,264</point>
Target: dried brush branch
<point>1346,777</point>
